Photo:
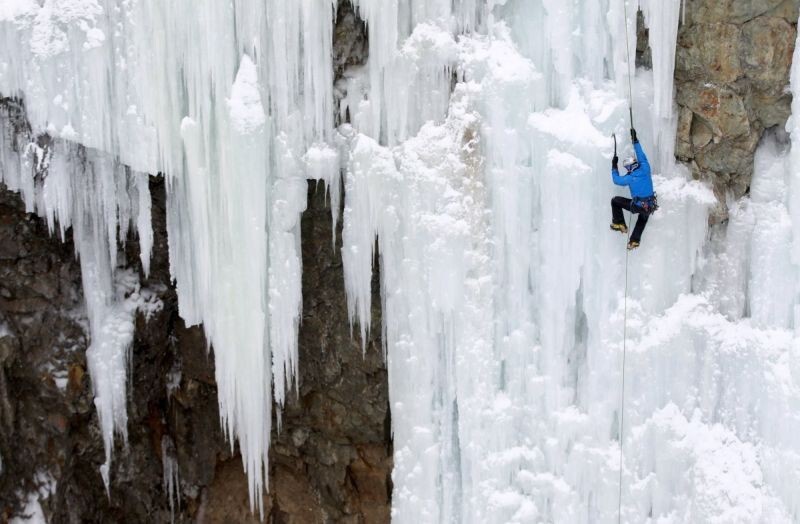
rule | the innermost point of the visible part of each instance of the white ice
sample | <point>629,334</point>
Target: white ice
<point>233,103</point>
<point>477,152</point>
<point>504,290</point>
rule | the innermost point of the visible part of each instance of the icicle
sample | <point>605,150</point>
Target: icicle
<point>683,12</point>
<point>229,121</point>
<point>793,200</point>
<point>91,193</point>
<point>477,156</point>
<point>662,17</point>
<point>171,478</point>
<point>144,227</point>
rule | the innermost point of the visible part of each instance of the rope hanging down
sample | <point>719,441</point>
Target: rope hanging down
<point>630,70</point>
<point>622,401</point>
<point>625,306</point>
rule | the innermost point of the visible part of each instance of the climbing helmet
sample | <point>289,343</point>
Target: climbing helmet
<point>630,164</point>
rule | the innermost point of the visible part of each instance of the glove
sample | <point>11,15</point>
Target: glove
<point>615,162</point>
<point>633,136</point>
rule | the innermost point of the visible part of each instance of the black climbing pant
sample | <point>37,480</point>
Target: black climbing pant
<point>620,203</point>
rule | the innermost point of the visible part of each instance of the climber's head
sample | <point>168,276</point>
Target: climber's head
<point>630,164</point>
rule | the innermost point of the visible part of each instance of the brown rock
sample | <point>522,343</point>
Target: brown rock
<point>736,11</point>
<point>732,68</point>
<point>701,134</point>
<point>295,499</point>
<point>721,108</point>
<point>709,52</point>
<point>8,347</point>
<point>683,147</point>
<point>368,474</point>
<point>768,108</point>
<point>75,379</point>
<point>226,500</point>
<point>766,52</point>
<point>730,157</point>
<point>787,10</point>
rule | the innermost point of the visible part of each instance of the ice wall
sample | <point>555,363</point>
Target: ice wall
<point>793,182</point>
<point>477,152</point>
<point>503,288</point>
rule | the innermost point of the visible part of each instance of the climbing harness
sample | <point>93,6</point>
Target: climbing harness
<point>648,205</point>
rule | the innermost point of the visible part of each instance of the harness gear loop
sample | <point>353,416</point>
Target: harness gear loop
<point>648,205</point>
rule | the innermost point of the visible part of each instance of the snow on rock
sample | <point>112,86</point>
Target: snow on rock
<point>32,511</point>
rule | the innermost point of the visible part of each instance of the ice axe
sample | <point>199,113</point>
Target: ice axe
<point>614,136</point>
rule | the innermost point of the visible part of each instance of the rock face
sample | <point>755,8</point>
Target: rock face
<point>732,73</point>
<point>45,404</point>
<point>330,462</point>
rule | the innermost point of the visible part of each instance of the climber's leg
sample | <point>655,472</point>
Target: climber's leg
<point>618,219</point>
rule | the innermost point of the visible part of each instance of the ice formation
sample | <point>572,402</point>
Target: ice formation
<point>477,153</point>
<point>171,477</point>
<point>227,100</point>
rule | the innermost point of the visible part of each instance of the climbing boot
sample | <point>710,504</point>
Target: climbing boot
<point>622,228</point>
<point>632,245</point>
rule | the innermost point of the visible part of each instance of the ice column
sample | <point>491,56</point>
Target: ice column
<point>793,127</point>
<point>232,102</point>
<point>662,18</point>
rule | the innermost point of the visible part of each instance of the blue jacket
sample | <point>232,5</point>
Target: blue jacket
<point>639,180</point>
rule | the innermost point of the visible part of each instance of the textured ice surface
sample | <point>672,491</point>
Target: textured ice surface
<point>226,99</point>
<point>503,289</point>
<point>477,151</point>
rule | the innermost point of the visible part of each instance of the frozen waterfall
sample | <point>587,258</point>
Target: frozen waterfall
<point>477,153</point>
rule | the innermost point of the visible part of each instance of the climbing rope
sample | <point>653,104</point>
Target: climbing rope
<point>625,306</point>
<point>630,71</point>
<point>622,394</point>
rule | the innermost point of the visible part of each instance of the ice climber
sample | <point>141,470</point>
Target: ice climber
<point>640,183</point>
